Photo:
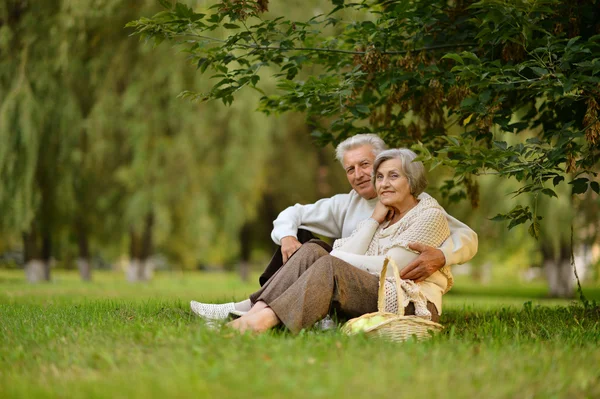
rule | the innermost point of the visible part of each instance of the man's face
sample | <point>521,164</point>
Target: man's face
<point>358,163</point>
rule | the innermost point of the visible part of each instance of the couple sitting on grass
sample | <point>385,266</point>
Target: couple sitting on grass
<point>386,214</point>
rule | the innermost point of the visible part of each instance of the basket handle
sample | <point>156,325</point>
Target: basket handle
<point>381,295</point>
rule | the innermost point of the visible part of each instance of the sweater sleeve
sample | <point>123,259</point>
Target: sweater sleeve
<point>358,242</point>
<point>374,264</point>
<point>430,228</point>
<point>324,217</point>
<point>462,244</point>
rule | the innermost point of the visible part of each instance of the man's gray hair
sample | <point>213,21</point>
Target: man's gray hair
<point>358,141</point>
<point>414,171</point>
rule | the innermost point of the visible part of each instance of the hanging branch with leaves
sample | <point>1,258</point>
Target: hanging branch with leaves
<point>450,79</point>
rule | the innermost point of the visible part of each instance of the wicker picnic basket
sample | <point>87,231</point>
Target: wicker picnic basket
<point>391,326</point>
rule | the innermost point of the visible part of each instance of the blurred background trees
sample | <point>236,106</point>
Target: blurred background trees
<point>103,163</point>
<point>98,156</point>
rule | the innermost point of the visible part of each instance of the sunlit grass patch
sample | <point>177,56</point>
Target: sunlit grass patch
<point>111,339</point>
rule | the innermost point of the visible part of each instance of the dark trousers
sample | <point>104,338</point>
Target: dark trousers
<point>276,262</point>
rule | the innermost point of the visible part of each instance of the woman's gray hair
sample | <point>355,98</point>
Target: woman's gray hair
<point>414,171</point>
<point>357,141</point>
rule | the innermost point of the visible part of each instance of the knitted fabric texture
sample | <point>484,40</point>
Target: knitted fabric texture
<point>426,223</point>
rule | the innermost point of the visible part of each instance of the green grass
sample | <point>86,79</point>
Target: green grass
<point>112,339</point>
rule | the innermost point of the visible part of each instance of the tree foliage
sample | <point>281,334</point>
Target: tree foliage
<point>93,139</point>
<point>446,77</point>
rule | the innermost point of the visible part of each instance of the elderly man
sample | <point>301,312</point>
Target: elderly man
<point>338,216</point>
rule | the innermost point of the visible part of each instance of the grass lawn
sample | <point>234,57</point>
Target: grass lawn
<point>112,339</point>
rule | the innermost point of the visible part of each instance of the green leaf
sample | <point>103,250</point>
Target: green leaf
<point>501,144</point>
<point>363,109</point>
<point>436,162</point>
<point>166,4</point>
<point>516,222</point>
<point>198,17</point>
<point>201,63</point>
<point>467,102</point>
<point>549,192</point>
<point>499,217</point>
<point>579,185</point>
<point>455,57</point>
<point>215,18</point>
<point>183,11</point>
<point>573,40</point>
<point>470,56</point>
<point>231,26</point>
<point>539,71</point>
<point>291,73</point>
<point>557,180</point>
<point>534,229</point>
<point>453,140</point>
<point>595,186</point>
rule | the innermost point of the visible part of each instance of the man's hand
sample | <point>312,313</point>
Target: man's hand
<point>289,245</point>
<point>428,262</point>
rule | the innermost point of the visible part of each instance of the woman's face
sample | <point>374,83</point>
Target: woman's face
<point>391,184</point>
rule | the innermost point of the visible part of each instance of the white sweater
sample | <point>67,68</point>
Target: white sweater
<point>338,216</point>
<point>371,242</point>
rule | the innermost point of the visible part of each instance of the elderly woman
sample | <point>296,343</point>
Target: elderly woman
<point>315,283</point>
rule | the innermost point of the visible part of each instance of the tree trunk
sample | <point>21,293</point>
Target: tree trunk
<point>246,247</point>
<point>46,254</point>
<point>323,188</point>
<point>83,261</point>
<point>559,272</point>
<point>482,273</point>
<point>140,268</point>
<point>37,263</point>
<point>269,213</point>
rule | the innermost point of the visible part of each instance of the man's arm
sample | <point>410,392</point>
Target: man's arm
<point>429,261</point>
<point>462,244</point>
<point>459,248</point>
<point>324,217</point>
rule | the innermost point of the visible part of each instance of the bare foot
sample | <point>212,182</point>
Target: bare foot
<point>240,324</point>
<point>257,307</point>
<point>258,322</point>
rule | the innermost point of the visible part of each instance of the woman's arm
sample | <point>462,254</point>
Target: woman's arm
<point>431,228</point>
<point>359,241</point>
<point>374,264</point>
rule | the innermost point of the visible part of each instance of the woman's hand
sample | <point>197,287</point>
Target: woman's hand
<point>381,213</point>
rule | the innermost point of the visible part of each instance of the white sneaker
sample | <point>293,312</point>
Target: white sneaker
<point>212,311</point>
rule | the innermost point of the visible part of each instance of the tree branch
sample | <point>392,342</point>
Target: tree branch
<point>328,50</point>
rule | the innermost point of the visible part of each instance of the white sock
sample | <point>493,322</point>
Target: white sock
<point>243,306</point>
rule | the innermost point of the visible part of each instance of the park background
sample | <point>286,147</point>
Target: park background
<point>122,201</point>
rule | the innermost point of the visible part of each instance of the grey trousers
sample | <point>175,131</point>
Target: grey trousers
<point>313,284</point>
